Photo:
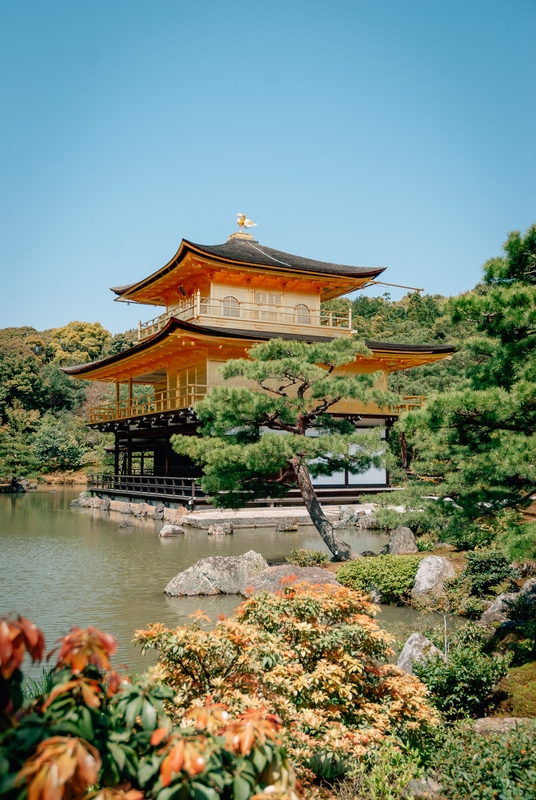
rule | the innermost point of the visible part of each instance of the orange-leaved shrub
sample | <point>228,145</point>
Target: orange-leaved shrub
<point>314,655</point>
<point>93,735</point>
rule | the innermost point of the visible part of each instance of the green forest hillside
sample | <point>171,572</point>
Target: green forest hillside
<point>42,411</point>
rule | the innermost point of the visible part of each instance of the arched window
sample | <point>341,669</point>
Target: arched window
<point>230,306</point>
<point>303,315</point>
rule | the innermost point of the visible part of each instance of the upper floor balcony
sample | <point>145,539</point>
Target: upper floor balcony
<point>229,312</point>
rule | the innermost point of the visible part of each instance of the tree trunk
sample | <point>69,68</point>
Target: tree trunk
<point>404,451</point>
<point>340,550</point>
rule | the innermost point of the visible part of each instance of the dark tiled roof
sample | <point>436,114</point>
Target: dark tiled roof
<point>251,252</point>
<point>246,251</point>
<point>229,333</point>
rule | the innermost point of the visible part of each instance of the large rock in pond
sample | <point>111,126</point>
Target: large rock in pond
<point>225,529</point>
<point>217,575</point>
<point>350,515</point>
<point>433,573</point>
<point>168,531</point>
<point>402,542</point>
<point>269,580</point>
<point>417,648</point>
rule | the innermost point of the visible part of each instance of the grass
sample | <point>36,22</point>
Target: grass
<point>520,687</point>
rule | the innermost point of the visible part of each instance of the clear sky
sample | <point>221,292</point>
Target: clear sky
<point>368,132</point>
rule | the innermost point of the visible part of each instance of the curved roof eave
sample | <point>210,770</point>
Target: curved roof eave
<point>187,327</point>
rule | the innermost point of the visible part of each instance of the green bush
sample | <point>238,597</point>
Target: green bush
<point>480,767</point>
<point>382,774</point>
<point>466,683</point>
<point>392,576</point>
<point>522,613</point>
<point>308,558</point>
<point>487,568</point>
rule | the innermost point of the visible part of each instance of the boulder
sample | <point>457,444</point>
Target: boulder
<point>485,726</point>
<point>350,515</point>
<point>528,591</point>
<point>120,505</point>
<point>158,511</point>
<point>225,529</point>
<point>287,525</point>
<point>402,542</point>
<point>105,504</point>
<point>368,522</point>
<point>126,523</point>
<point>417,648</point>
<point>422,788</point>
<point>269,580</point>
<point>433,573</point>
<point>78,501</point>
<point>217,575</point>
<point>368,553</point>
<point>496,612</point>
<point>375,595</point>
<point>171,530</point>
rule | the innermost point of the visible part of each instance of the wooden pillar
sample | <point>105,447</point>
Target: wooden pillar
<point>171,375</point>
<point>117,398</point>
<point>116,453</point>
<point>129,455</point>
<point>130,396</point>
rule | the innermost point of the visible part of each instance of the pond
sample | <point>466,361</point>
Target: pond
<point>62,567</point>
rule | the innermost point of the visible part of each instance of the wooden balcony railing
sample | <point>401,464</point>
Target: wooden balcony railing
<point>199,308</point>
<point>186,397</point>
<point>168,400</point>
<point>147,486</point>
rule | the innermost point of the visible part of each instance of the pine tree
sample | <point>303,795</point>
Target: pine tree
<point>260,443</point>
<point>474,449</point>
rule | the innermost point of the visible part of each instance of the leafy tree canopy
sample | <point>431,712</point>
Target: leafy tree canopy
<point>79,342</point>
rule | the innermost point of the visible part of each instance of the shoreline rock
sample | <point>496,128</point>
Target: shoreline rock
<point>402,542</point>
<point>217,575</point>
<point>416,648</point>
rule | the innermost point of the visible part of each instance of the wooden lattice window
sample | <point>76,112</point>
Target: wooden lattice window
<point>230,306</point>
<point>303,314</point>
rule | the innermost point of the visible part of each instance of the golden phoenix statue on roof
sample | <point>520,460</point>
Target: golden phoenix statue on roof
<point>243,222</point>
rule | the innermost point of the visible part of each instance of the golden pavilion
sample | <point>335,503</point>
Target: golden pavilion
<point>216,301</point>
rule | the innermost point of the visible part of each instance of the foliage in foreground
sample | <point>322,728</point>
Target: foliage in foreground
<point>392,576</point>
<point>92,734</point>
<point>467,766</point>
<point>312,654</point>
<point>483,767</point>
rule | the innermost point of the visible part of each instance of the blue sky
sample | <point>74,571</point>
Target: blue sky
<point>369,132</point>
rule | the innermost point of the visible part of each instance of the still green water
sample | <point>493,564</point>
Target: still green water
<point>62,567</point>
